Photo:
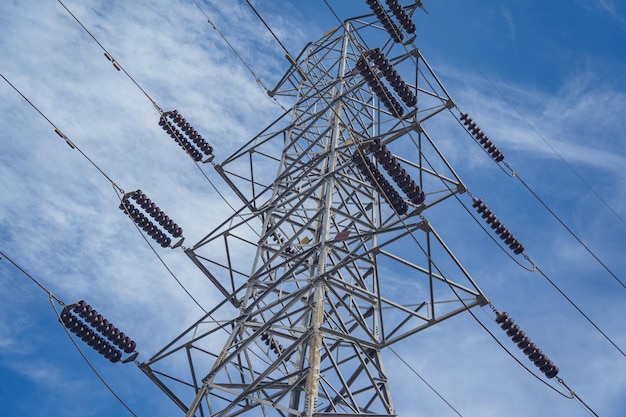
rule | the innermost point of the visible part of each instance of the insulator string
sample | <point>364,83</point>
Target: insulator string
<point>52,298</point>
<point>465,121</point>
<point>536,131</point>
<point>493,336</point>
<point>525,343</point>
<point>91,366</point>
<point>493,239</point>
<point>116,188</point>
<point>569,300</point>
<point>480,137</point>
<point>381,187</point>
<point>74,317</point>
<point>496,224</point>
<point>167,268</point>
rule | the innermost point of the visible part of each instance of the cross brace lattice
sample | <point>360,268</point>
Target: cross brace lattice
<point>330,259</point>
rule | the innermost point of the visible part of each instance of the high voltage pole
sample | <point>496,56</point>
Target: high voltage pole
<point>331,258</point>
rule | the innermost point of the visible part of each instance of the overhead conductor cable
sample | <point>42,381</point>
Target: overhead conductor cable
<point>567,164</point>
<point>188,138</point>
<point>498,157</point>
<point>287,54</point>
<point>116,188</point>
<point>106,351</point>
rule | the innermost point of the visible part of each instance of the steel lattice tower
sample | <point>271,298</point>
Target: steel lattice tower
<point>324,266</point>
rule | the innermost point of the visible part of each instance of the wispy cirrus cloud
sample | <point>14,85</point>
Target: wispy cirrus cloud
<point>613,9</point>
<point>59,216</point>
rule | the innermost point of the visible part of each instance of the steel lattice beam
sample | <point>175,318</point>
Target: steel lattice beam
<point>308,267</point>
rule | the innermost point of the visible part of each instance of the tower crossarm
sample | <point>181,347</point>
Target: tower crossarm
<point>331,258</point>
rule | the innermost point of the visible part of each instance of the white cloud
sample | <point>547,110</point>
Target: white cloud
<point>506,14</point>
<point>59,216</point>
<point>612,8</point>
<point>574,121</point>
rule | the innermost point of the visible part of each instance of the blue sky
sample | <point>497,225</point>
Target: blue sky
<point>545,81</point>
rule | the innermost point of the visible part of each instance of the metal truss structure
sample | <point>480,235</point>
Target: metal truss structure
<point>327,263</point>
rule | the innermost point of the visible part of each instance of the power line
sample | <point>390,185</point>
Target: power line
<point>118,66</point>
<point>37,282</point>
<point>544,275</point>
<point>333,11</point>
<point>60,133</point>
<point>236,52</point>
<point>53,298</point>
<point>290,58</point>
<point>569,300</point>
<point>108,55</point>
<point>514,174</point>
<point>542,137</point>
<point>268,28</point>
<point>92,367</point>
<point>116,188</point>
<point>410,134</point>
<point>580,401</point>
<point>425,382</point>
<point>571,232</point>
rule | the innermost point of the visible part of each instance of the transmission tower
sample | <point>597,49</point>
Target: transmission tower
<point>330,259</point>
